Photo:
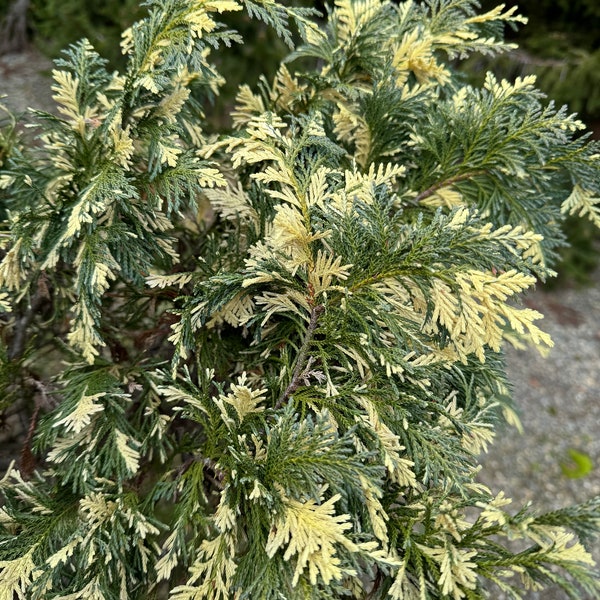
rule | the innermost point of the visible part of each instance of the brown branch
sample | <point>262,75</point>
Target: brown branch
<point>440,184</point>
<point>376,585</point>
<point>525,58</point>
<point>28,461</point>
<point>17,345</point>
<point>297,376</point>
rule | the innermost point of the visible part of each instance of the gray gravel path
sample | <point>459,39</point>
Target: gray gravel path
<point>558,398</point>
<point>24,79</point>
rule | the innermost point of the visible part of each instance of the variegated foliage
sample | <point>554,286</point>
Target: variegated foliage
<point>282,345</point>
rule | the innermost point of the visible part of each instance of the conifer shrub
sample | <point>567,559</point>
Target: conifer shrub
<point>262,363</point>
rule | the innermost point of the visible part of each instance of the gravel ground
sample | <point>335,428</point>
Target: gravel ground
<point>557,396</point>
<point>558,400</point>
<point>24,81</point>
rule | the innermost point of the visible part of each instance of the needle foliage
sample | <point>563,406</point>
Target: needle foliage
<point>262,363</point>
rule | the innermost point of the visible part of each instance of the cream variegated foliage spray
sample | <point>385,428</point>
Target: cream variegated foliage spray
<point>261,363</point>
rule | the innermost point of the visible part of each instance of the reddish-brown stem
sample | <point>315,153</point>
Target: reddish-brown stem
<point>301,361</point>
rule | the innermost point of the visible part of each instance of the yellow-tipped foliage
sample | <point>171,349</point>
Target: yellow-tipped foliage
<point>262,362</point>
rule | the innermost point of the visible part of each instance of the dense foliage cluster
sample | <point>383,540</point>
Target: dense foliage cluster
<point>262,363</point>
